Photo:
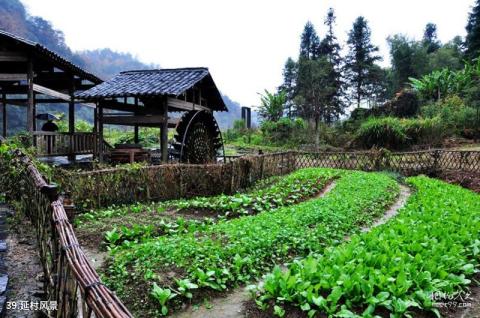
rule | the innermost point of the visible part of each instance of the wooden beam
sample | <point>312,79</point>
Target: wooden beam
<point>4,117</point>
<point>6,77</point>
<point>135,128</point>
<point>61,96</point>
<point>71,109</point>
<point>115,105</point>
<point>164,131</point>
<point>30,94</point>
<point>71,115</point>
<point>50,92</point>
<point>176,103</point>
<point>100,133</point>
<point>13,57</point>
<point>133,119</point>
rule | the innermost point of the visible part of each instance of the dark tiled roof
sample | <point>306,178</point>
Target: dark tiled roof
<point>52,56</point>
<point>146,83</point>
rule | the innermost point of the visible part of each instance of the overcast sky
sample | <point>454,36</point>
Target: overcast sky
<point>244,43</point>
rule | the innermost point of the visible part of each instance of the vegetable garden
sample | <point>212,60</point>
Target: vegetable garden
<point>306,244</point>
<point>310,240</point>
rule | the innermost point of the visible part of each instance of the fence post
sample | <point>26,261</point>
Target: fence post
<point>231,177</point>
<point>436,156</point>
<point>262,166</point>
<point>281,164</point>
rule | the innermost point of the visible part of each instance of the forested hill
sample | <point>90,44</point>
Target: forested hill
<point>105,63</point>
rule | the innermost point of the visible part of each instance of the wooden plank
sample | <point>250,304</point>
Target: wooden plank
<point>61,96</point>
<point>100,133</point>
<point>9,56</point>
<point>6,77</point>
<point>4,117</point>
<point>164,132</point>
<point>133,120</point>
<point>115,105</point>
<point>71,118</point>
<point>183,105</point>
<point>31,97</point>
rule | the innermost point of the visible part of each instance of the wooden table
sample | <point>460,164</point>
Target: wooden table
<point>128,155</point>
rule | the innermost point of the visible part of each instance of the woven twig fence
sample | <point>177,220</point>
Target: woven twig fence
<point>94,189</point>
<point>69,279</point>
<point>406,163</point>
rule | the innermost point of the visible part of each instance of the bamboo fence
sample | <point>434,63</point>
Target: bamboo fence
<point>69,279</point>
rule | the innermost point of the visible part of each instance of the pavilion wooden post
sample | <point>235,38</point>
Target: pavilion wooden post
<point>100,132</point>
<point>135,128</point>
<point>71,117</point>
<point>30,97</point>
<point>95,131</point>
<point>4,116</point>
<point>164,131</point>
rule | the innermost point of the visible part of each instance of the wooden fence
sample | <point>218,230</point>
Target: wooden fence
<point>64,144</point>
<point>94,189</point>
<point>69,279</point>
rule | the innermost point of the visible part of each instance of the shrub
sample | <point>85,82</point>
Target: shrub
<point>395,133</point>
<point>423,131</point>
<point>405,104</point>
<point>285,131</point>
<point>382,132</point>
<point>454,115</point>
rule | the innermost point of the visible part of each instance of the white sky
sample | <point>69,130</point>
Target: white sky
<point>244,43</point>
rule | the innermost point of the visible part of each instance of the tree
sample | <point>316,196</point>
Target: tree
<point>409,58</point>
<point>314,89</point>
<point>360,61</point>
<point>310,42</point>
<point>330,49</point>
<point>430,39</point>
<point>289,85</point>
<point>272,104</point>
<point>472,40</point>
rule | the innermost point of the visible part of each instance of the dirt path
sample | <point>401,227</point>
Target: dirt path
<point>232,305</point>
<point>393,210</point>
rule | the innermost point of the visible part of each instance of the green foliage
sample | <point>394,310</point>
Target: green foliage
<point>265,196</point>
<point>455,116</point>
<point>238,250</point>
<point>447,82</point>
<point>361,71</point>
<point>472,40</point>
<point>272,105</point>
<point>288,190</point>
<point>409,59</point>
<point>395,133</point>
<point>382,132</point>
<point>285,131</point>
<point>162,295</point>
<point>431,247</point>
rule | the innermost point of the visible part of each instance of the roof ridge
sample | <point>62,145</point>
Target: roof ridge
<point>56,55</point>
<point>165,70</point>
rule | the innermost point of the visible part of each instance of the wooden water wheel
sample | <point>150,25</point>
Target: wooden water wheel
<point>198,138</point>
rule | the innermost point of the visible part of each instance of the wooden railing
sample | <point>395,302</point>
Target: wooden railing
<point>69,279</point>
<point>64,144</point>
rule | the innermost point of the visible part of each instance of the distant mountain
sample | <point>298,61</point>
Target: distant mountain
<point>104,63</point>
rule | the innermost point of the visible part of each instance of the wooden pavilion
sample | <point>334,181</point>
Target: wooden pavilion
<point>144,98</point>
<point>30,75</point>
